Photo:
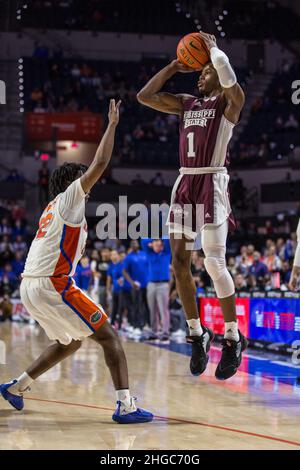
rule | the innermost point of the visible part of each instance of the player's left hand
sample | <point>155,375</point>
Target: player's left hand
<point>113,113</point>
<point>209,40</point>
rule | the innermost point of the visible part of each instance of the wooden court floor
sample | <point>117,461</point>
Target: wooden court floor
<point>70,407</point>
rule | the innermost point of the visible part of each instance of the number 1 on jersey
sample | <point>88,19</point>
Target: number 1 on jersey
<point>191,151</point>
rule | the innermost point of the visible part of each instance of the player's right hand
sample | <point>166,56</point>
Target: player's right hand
<point>114,112</point>
<point>179,67</point>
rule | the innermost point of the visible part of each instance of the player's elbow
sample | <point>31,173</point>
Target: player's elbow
<point>141,97</point>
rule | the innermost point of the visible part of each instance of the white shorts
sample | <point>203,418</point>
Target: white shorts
<point>61,308</point>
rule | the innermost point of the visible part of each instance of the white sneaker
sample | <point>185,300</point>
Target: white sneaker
<point>179,333</point>
<point>137,332</point>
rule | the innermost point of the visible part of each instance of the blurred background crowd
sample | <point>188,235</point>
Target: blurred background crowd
<point>133,280</point>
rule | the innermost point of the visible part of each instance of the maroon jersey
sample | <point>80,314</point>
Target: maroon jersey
<point>204,133</point>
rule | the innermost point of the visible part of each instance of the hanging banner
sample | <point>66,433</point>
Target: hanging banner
<point>84,127</point>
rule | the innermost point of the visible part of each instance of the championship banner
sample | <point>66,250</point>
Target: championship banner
<point>81,126</point>
<point>275,320</point>
<point>211,314</point>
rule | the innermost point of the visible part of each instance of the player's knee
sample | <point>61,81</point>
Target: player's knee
<point>108,339</point>
<point>223,283</point>
<point>215,267</point>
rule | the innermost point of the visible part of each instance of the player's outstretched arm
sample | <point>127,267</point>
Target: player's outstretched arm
<point>150,95</point>
<point>104,151</point>
<point>232,90</point>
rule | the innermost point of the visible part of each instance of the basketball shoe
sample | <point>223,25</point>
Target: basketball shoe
<point>231,357</point>
<point>14,400</point>
<point>125,416</point>
<point>200,348</point>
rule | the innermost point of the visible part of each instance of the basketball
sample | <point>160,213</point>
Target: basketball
<point>192,51</point>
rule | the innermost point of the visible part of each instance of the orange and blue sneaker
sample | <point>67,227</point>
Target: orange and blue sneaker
<point>122,416</point>
<point>14,400</point>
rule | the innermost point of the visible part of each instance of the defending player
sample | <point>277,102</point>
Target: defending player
<point>206,126</point>
<point>48,290</point>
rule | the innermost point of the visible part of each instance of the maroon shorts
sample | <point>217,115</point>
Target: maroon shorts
<point>198,200</point>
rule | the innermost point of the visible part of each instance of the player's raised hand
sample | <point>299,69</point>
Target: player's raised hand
<point>114,112</point>
<point>179,67</point>
<point>209,39</point>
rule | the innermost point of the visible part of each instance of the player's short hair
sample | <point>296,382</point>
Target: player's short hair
<point>63,176</point>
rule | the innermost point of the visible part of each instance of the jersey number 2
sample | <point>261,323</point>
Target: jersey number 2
<point>191,151</point>
<point>44,222</point>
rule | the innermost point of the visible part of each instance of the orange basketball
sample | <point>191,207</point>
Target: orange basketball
<point>192,51</point>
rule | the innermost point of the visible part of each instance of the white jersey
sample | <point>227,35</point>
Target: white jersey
<point>61,237</point>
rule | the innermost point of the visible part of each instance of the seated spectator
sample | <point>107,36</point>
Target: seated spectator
<point>259,270</point>
<point>6,255</point>
<point>158,180</point>
<point>6,244</point>
<point>272,260</point>
<point>17,211</point>
<point>18,229</point>
<point>138,181</point>
<point>292,123</point>
<point>36,97</point>
<point>240,284</point>
<point>19,244</point>
<point>243,265</point>
<point>5,227</point>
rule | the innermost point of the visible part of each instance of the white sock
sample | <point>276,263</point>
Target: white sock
<point>127,403</point>
<point>195,327</point>
<point>22,384</point>
<point>231,330</point>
